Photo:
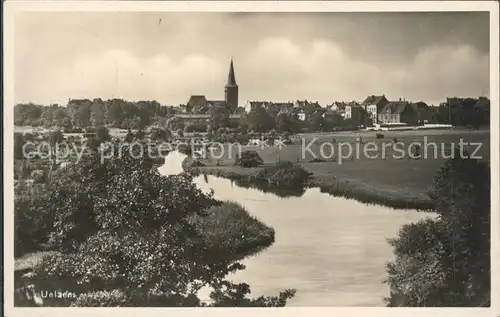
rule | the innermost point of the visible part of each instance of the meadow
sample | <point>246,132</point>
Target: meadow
<point>392,180</point>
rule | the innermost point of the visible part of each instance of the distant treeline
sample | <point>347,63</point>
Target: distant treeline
<point>118,113</point>
<point>470,112</point>
<point>115,113</point>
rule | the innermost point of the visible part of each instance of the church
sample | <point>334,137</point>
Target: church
<point>200,104</point>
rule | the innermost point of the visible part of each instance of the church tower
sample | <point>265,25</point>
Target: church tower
<point>231,89</point>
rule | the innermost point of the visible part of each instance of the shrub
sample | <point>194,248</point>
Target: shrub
<point>379,136</point>
<point>114,298</point>
<point>158,134</point>
<point>249,159</point>
<point>38,176</point>
<point>231,233</point>
<point>196,127</point>
<point>284,174</point>
<point>32,218</point>
<point>317,160</point>
<point>197,163</point>
<point>184,148</point>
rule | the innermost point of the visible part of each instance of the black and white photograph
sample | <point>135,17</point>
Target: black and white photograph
<point>211,155</point>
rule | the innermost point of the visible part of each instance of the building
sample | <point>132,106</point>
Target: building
<point>374,105</point>
<point>398,112</point>
<point>424,113</point>
<point>269,106</point>
<point>301,116</point>
<point>231,89</point>
<point>337,106</point>
<point>306,103</point>
<point>356,112</point>
<point>195,103</point>
<point>252,105</point>
<point>199,103</point>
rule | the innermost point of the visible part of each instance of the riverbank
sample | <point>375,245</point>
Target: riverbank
<point>346,188</point>
<point>391,181</point>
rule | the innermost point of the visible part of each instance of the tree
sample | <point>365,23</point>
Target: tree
<point>55,137</point>
<point>102,133</point>
<point>287,123</point>
<point>219,117</point>
<point>446,262</point>
<point>18,145</point>
<point>316,121</point>
<point>158,134</point>
<point>144,250</point>
<point>249,159</point>
<point>333,120</point>
<point>260,121</point>
<point>80,114</point>
<point>27,114</point>
<point>97,114</point>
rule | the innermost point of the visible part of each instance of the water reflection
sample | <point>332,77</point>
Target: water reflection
<point>332,250</point>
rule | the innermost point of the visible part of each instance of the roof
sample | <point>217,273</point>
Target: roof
<point>258,103</point>
<point>352,104</point>
<point>419,105</point>
<point>303,103</point>
<point>282,104</point>
<point>338,104</point>
<point>482,103</point>
<point>461,102</point>
<point>373,100</point>
<point>395,107</point>
<point>231,79</point>
<point>197,100</point>
<point>217,103</point>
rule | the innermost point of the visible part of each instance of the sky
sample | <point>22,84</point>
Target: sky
<point>323,57</point>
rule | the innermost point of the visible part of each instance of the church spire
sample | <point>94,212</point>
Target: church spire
<point>231,89</point>
<point>231,79</point>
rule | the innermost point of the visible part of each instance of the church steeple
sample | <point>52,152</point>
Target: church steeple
<point>231,89</point>
<point>231,79</point>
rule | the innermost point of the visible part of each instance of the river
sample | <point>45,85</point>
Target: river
<point>332,250</point>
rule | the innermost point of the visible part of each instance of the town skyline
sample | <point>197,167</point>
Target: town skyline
<point>318,57</point>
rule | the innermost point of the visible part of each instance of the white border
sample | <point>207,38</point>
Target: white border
<point>13,7</point>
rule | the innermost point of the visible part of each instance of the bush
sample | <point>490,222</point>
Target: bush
<point>158,134</point>
<point>284,174</point>
<point>196,127</point>
<point>197,163</point>
<point>231,233</point>
<point>317,160</point>
<point>32,218</point>
<point>184,148</point>
<point>114,298</point>
<point>38,176</point>
<point>249,159</point>
<point>379,136</point>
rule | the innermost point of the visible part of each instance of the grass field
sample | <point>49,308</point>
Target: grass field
<point>392,181</point>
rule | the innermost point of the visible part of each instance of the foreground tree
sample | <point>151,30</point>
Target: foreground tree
<point>129,236</point>
<point>446,261</point>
